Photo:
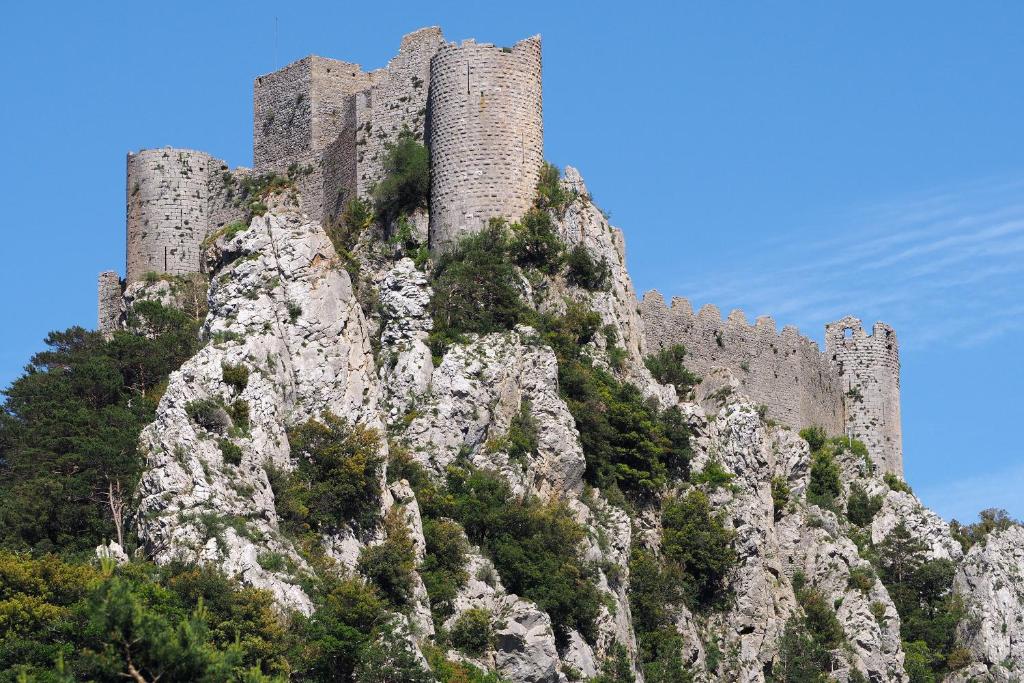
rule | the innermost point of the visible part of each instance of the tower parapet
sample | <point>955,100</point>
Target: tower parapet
<point>486,135</point>
<point>869,369</point>
<point>175,198</point>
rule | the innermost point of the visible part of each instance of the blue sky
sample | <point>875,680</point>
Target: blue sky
<point>803,160</point>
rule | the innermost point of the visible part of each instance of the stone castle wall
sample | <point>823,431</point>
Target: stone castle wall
<point>784,371</point>
<point>167,210</point>
<point>397,100</point>
<point>175,198</point>
<point>110,304</point>
<point>486,135</point>
<point>299,113</point>
<point>869,370</point>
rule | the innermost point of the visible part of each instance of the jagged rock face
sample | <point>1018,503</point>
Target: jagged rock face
<point>991,582</point>
<point>408,366</point>
<point>922,523</point>
<point>583,223</point>
<point>279,308</point>
<point>474,395</point>
<point>804,538</point>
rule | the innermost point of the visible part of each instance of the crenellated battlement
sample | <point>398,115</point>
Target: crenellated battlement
<point>784,370</point>
<point>852,387</point>
<point>478,107</point>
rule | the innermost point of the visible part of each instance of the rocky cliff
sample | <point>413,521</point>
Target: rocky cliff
<point>296,331</point>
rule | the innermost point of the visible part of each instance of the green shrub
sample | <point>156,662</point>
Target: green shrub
<point>231,453</point>
<point>667,367</point>
<point>522,434</point>
<point>406,184</point>
<point>336,478</point>
<point>780,495</point>
<point>895,483</point>
<point>630,445</point>
<point>656,592</point>
<point>294,311</point>
<point>476,289</point>
<point>713,475</point>
<point>815,437</point>
<point>697,540</point>
<point>825,487</point>
<point>390,565</point>
<point>583,270</point>
<point>535,244</point>
<point>235,376</point>
<point>861,578</point>
<point>472,633</point>
<point>208,413</point>
<point>989,520</point>
<point>921,590</point>
<point>239,412</point>
<point>551,195</point>
<point>534,546</point>
<point>860,507</point>
<point>443,569</point>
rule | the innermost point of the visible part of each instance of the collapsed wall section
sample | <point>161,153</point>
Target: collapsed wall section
<point>869,370</point>
<point>110,303</point>
<point>486,135</point>
<point>167,210</point>
<point>783,371</point>
<point>397,101</point>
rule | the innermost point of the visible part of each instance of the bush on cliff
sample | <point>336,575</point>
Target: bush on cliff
<point>336,478</point>
<point>667,367</point>
<point>535,546</point>
<point>406,184</point>
<point>476,288</point>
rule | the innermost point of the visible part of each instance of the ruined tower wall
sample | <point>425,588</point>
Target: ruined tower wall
<point>110,304</point>
<point>167,210</point>
<point>783,371</point>
<point>869,370</point>
<point>299,112</point>
<point>397,100</point>
<point>486,135</point>
<point>223,199</point>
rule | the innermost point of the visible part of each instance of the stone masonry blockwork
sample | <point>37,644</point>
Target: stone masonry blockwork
<point>110,302</point>
<point>167,210</point>
<point>852,388</point>
<point>786,372</point>
<point>486,135</point>
<point>869,370</point>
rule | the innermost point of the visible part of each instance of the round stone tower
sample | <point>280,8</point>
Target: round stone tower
<point>486,135</point>
<point>167,209</point>
<point>869,370</point>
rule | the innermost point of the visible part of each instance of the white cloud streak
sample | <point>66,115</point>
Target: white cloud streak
<point>952,260</point>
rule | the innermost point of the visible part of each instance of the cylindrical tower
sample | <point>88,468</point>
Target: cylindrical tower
<point>167,210</point>
<point>486,135</point>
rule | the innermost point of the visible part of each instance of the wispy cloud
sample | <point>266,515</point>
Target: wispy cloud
<point>950,260</point>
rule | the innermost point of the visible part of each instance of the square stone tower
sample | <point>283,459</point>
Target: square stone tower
<point>299,113</point>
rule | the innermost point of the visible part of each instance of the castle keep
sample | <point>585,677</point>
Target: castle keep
<point>327,125</point>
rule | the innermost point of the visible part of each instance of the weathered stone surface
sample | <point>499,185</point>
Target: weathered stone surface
<point>922,523</point>
<point>991,581</point>
<point>281,309</point>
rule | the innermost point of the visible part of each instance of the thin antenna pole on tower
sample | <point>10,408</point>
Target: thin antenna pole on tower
<point>275,43</point>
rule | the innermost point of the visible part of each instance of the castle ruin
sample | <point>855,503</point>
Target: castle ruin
<point>853,388</point>
<point>327,124</point>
